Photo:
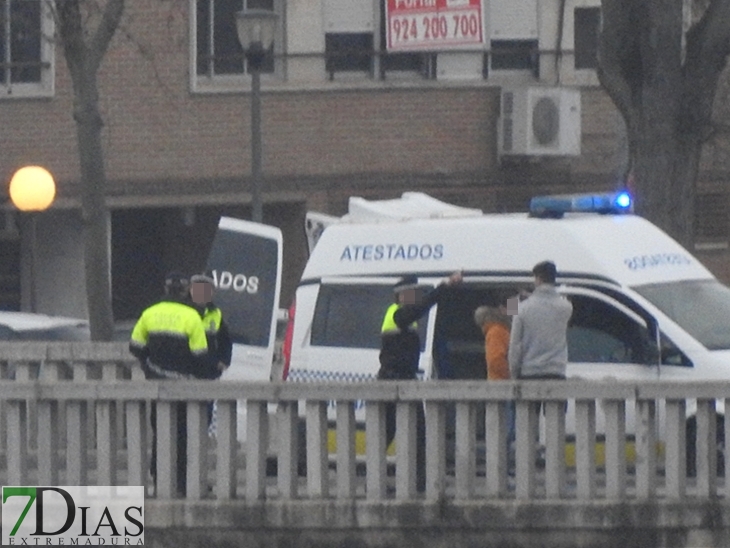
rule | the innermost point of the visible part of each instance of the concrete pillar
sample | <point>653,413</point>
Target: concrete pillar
<point>59,263</point>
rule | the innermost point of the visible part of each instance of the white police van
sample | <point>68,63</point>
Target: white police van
<point>634,290</point>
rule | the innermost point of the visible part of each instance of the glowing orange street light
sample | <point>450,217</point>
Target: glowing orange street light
<point>32,188</point>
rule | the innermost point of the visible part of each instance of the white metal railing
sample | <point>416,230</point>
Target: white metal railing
<point>79,414</point>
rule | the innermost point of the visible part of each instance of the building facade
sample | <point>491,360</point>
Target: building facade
<point>342,114</point>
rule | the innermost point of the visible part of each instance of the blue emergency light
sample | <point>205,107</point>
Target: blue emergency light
<point>606,203</point>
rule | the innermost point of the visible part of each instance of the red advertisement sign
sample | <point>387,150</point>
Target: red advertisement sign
<point>433,24</point>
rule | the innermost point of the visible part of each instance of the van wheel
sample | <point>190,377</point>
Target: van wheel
<point>691,444</point>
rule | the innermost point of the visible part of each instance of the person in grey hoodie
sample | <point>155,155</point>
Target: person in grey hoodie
<point>538,347</point>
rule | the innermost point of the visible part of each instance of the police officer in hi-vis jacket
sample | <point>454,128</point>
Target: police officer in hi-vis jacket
<point>400,349</point>
<point>170,343</point>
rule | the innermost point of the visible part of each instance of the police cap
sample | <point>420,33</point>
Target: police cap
<point>406,282</point>
<point>201,278</point>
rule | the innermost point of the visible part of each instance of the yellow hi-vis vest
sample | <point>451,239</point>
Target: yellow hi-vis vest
<point>212,320</point>
<point>389,321</point>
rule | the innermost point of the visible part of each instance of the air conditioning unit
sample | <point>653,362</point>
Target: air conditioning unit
<point>540,121</point>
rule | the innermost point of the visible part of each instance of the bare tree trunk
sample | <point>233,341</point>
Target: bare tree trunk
<point>665,95</point>
<point>94,213</point>
<point>83,60</point>
<point>665,169</point>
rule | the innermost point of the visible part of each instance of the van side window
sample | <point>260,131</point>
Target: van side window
<point>600,333</point>
<point>350,316</point>
<point>671,355</point>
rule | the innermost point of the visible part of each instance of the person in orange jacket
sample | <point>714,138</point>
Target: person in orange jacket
<point>495,323</point>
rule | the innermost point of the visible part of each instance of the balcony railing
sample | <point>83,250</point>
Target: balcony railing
<point>78,414</point>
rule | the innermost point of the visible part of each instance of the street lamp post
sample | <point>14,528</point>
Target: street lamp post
<point>32,189</point>
<point>256,30</point>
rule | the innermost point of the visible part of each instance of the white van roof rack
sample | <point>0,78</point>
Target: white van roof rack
<point>411,205</point>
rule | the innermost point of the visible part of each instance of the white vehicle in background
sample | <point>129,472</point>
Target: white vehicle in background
<point>27,326</point>
<point>644,307</point>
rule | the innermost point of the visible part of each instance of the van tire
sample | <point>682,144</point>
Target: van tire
<point>691,444</point>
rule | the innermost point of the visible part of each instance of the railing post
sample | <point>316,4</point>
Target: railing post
<point>17,442</point>
<point>80,372</point>
<point>435,449</point>
<point>375,450</point>
<point>615,448</point>
<point>106,442</point>
<point>675,454</point>
<point>257,443</point>
<point>166,433</point>
<point>346,449</point>
<point>287,465</point>
<point>706,448</point>
<point>47,443</point>
<point>645,449</point>
<point>495,439</point>
<point>197,469</point>
<point>317,465</point>
<point>554,448</point>
<point>137,465</point>
<point>110,372</point>
<point>585,448</point>
<point>49,426</point>
<point>136,372</point>
<point>227,450</point>
<point>465,454</point>
<point>525,447</point>
<point>77,446</point>
<point>405,444</point>
<point>23,372</point>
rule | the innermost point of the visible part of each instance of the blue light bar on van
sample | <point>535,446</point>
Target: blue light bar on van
<point>555,206</point>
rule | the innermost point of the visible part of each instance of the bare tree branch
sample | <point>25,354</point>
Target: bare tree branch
<point>83,58</point>
<point>148,54</point>
<point>68,19</point>
<point>105,32</point>
<point>613,46</point>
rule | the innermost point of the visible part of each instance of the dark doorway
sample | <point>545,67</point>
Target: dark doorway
<point>149,242</point>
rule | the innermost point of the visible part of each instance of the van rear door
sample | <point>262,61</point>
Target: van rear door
<point>245,261</point>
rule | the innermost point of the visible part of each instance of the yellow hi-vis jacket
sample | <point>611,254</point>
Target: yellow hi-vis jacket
<point>170,341</point>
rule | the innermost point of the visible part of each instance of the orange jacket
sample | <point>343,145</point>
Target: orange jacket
<point>496,344</point>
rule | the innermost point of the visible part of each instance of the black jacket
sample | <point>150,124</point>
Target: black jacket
<point>401,348</point>
<point>220,346</point>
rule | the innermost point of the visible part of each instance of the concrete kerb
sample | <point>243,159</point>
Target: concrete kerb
<point>478,515</point>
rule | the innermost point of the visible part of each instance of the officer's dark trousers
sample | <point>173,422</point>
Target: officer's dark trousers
<point>390,414</point>
<point>181,446</point>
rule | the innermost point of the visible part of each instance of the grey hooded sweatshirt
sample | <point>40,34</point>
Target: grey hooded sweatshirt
<point>538,340</point>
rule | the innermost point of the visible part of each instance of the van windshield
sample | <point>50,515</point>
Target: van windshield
<point>701,307</point>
